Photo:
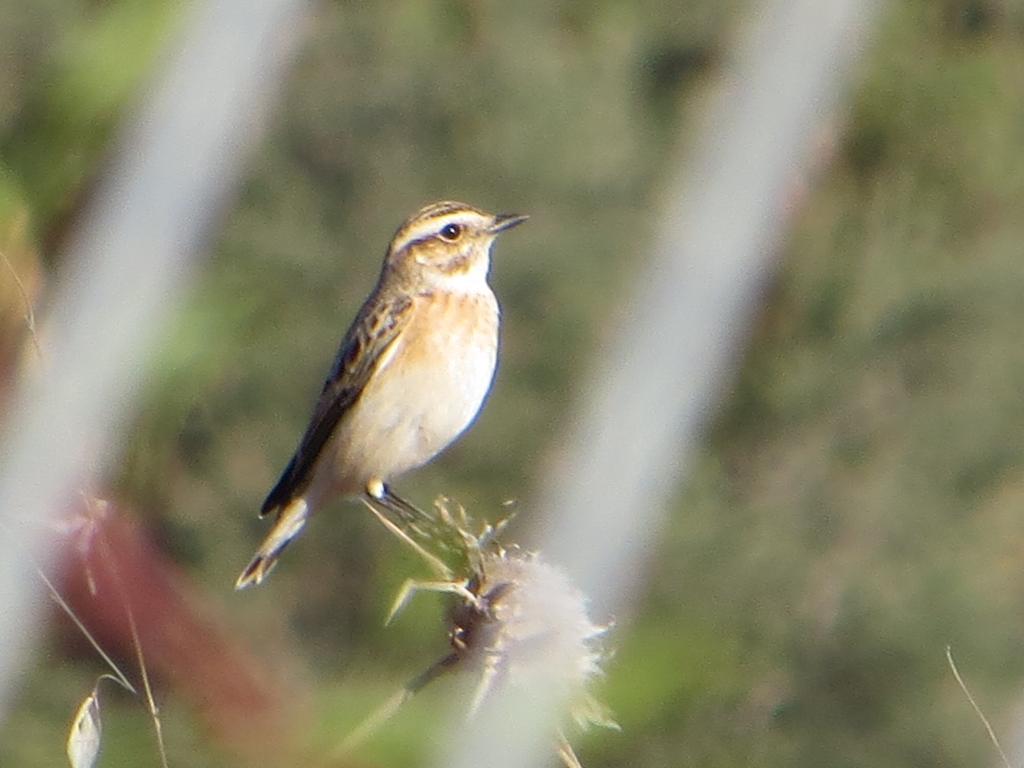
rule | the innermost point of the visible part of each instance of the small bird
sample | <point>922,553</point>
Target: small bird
<point>410,376</point>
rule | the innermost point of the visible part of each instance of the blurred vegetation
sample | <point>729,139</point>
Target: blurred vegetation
<point>858,506</point>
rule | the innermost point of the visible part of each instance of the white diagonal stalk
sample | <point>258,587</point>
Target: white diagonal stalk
<point>123,272</point>
<point>631,443</point>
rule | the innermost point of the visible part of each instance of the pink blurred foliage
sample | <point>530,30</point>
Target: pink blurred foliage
<point>108,563</point>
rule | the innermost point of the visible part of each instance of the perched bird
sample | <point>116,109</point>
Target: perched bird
<point>410,376</point>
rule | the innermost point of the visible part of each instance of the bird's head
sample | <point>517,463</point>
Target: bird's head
<point>448,244</point>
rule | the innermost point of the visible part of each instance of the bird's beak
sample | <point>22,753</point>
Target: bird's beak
<point>505,221</point>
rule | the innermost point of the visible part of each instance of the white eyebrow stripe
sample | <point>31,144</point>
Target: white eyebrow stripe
<point>429,227</point>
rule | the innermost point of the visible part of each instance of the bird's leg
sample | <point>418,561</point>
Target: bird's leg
<point>380,491</point>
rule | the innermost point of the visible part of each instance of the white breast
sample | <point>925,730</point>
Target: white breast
<point>430,390</point>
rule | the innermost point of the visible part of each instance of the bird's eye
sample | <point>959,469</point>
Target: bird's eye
<point>451,232</point>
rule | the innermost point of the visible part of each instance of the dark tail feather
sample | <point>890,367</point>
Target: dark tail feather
<point>288,525</point>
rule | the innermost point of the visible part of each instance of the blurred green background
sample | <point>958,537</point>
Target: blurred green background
<point>858,504</point>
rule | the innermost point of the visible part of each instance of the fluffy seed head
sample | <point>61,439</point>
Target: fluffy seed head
<point>519,621</point>
<point>530,622</point>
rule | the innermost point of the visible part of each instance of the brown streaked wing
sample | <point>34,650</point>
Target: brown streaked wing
<point>376,327</point>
